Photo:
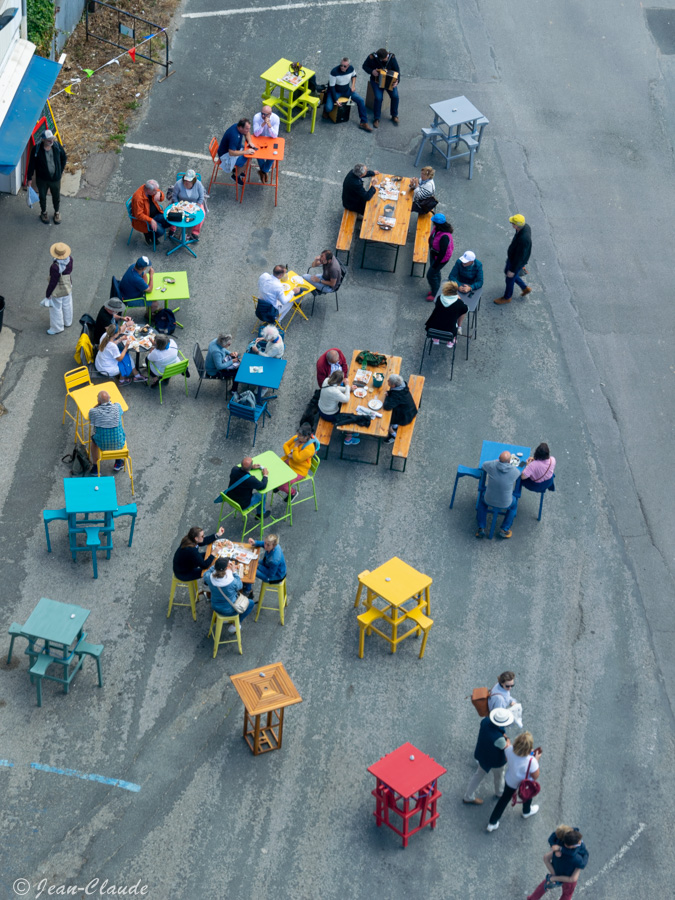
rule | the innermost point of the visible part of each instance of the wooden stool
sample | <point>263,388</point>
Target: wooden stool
<point>266,691</point>
<point>280,590</point>
<point>193,590</point>
<point>219,621</point>
<point>117,454</point>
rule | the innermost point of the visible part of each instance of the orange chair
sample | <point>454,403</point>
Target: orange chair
<point>213,150</point>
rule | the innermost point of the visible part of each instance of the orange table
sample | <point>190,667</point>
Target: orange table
<point>371,232</point>
<point>265,691</point>
<point>268,148</point>
<point>378,428</point>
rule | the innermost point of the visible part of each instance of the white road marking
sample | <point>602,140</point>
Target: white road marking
<point>615,859</point>
<point>252,10</point>
<point>205,156</point>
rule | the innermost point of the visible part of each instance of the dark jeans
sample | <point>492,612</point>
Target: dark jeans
<point>482,514</point>
<point>434,279</point>
<point>360,105</point>
<point>508,290</point>
<point>503,802</point>
<point>162,225</point>
<point>378,93</point>
<point>54,187</point>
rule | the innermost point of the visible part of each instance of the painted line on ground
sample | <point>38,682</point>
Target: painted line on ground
<point>6,762</point>
<point>73,773</point>
<point>615,859</point>
<point>252,10</point>
<point>190,155</point>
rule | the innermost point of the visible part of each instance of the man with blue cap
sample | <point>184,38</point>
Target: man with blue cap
<point>441,246</point>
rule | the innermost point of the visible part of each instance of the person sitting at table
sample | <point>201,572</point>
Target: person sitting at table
<point>111,313</point>
<point>265,124</point>
<point>147,213</point>
<point>334,392</point>
<point>112,360</point>
<point>272,290</point>
<point>188,562</point>
<point>243,487</point>
<point>330,279</point>
<point>163,354</point>
<point>467,272</point>
<point>137,281</point>
<point>499,493</point>
<point>234,143</point>
<point>401,403</point>
<point>221,362</point>
<point>269,343</point>
<point>106,419</point>
<point>272,564</point>
<point>224,584</point>
<point>354,194</point>
<point>448,313</point>
<point>382,61</point>
<point>341,83</point>
<point>332,360</point>
<point>424,190</point>
<point>441,246</point>
<point>538,473</point>
<point>190,188</point>
<point>298,453</point>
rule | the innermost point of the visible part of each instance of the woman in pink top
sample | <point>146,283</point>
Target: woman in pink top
<point>539,470</point>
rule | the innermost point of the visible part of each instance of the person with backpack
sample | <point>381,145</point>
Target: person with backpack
<point>298,453</point>
<point>489,753</point>
<point>565,860</point>
<point>164,353</point>
<point>441,246</point>
<point>522,775</point>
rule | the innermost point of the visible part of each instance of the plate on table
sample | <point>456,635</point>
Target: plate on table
<point>360,392</point>
<point>363,375</point>
<point>375,403</point>
<point>296,279</point>
<point>515,461</point>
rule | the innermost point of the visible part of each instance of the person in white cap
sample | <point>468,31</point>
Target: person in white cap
<point>59,293</point>
<point>467,272</point>
<point>190,188</point>
<point>45,168</point>
<point>489,753</point>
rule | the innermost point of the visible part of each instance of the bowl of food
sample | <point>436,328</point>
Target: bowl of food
<point>360,392</point>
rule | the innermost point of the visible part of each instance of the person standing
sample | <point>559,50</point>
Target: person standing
<point>565,860</point>
<point>500,695</point>
<point>341,84</point>
<point>441,246</point>
<point>489,753</point>
<point>381,62</point>
<point>265,124</point>
<point>521,763</point>
<point>45,169</point>
<point>59,293</point>
<point>517,256</point>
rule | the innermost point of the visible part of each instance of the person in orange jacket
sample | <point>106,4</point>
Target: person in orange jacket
<point>147,213</point>
<point>298,453</point>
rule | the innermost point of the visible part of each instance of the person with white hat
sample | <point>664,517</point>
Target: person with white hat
<point>517,256</point>
<point>59,293</point>
<point>467,272</point>
<point>45,167</point>
<point>489,753</point>
<point>190,188</point>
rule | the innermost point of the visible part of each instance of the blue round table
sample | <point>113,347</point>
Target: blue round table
<point>195,219</point>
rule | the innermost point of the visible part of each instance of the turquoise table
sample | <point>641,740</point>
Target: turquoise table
<point>195,218</point>
<point>279,473</point>
<point>88,496</point>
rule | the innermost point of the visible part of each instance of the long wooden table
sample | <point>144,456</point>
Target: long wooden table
<point>378,428</point>
<point>398,235</point>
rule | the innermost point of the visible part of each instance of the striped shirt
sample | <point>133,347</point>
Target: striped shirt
<point>424,189</point>
<point>107,415</point>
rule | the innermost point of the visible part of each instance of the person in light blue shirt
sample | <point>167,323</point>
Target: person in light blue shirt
<point>272,565</point>
<point>220,361</point>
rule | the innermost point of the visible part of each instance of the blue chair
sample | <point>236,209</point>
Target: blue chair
<point>14,631</point>
<point>131,219</point>
<point>541,488</point>
<point>463,471</point>
<point>249,413</point>
<point>52,515</point>
<point>93,543</point>
<point>129,510</point>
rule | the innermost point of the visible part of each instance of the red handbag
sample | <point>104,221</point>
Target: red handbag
<point>527,789</point>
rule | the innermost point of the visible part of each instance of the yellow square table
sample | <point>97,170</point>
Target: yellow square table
<point>85,399</point>
<point>307,288</point>
<point>395,583</point>
<point>293,92</point>
<point>265,692</point>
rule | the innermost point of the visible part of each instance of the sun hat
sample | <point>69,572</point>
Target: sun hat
<point>501,717</point>
<point>467,257</point>
<point>142,262</point>
<point>517,220</point>
<point>190,175</point>
<point>438,219</point>
<point>115,305</point>
<point>59,251</point>
<point>48,135</point>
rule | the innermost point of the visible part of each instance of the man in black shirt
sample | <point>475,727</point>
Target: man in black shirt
<point>45,168</point>
<point>517,255</point>
<point>354,194</point>
<point>382,62</point>
<point>242,484</point>
<point>112,311</point>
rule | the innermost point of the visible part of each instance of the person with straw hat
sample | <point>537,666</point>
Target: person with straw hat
<point>59,293</point>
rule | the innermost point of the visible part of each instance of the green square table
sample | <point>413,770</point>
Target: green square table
<point>278,473</point>
<point>173,292</point>
<point>291,96</point>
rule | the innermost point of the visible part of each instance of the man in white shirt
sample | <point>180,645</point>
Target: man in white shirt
<point>279,295</point>
<point>265,124</point>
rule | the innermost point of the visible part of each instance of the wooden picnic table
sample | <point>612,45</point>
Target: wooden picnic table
<point>378,428</point>
<point>398,235</point>
<point>250,568</point>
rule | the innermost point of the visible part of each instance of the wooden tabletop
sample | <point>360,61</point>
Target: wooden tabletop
<point>265,689</point>
<point>371,231</point>
<point>378,428</point>
<point>250,568</point>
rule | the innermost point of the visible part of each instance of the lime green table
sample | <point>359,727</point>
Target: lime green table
<point>164,292</point>
<point>294,97</point>
<point>278,473</point>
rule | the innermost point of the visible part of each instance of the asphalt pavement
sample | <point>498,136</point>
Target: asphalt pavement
<point>579,605</point>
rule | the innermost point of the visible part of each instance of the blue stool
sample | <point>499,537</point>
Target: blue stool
<point>461,472</point>
<point>93,543</point>
<point>496,511</point>
<point>129,510</point>
<point>548,485</point>
<point>52,515</point>
<point>15,631</point>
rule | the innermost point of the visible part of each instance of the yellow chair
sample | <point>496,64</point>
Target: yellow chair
<point>365,621</point>
<point>308,100</point>
<point>193,590</point>
<point>360,588</point>
<point>118,454</point>
<point>219,621</point>
<point>280,590</point>
<point>424,624</point>
<point>75,378</point>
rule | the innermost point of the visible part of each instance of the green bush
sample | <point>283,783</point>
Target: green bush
<point>40,14</point>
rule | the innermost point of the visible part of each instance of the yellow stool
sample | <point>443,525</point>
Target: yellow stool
<point>280,590</point>
<point>219,621</point>
<point>117,454</point>
<point>424,624</point>
<point>308,100</point>
<point>365,621</point>
<point>193,590</point>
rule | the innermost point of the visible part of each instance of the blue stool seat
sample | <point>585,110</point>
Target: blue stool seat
<point>129,510</point>
<point>52,515</point>
<point>463,471</point>
<point>539,488</point>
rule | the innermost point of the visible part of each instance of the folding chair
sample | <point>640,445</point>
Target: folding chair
<point>213,150</point>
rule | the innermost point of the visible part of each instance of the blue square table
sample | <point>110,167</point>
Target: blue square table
<point>270,377</point>
<point>85,496</point>
<point>491,450</point>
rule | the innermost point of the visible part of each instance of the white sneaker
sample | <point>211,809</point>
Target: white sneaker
<point>493,827</point>
<point>233,630</point>
<point>459,330</point>
<point>533,812</point>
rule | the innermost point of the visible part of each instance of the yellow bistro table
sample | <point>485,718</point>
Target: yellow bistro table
<point>307,288</point>
<point>395,583</point>
<point>294,98</point>
<point>86,398</point>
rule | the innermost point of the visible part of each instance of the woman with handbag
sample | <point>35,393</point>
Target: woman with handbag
<point>191,189</point>
<point>522,775</point>
<point>225,585</point>
<point>424,190</point>
<point>441,246</point>
<point>538,473</point>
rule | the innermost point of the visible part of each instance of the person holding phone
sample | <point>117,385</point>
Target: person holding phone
<point>265,124</point>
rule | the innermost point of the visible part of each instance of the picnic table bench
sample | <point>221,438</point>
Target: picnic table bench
<point>404,433</point>
<point>346,233</point>
<point>421,249</point>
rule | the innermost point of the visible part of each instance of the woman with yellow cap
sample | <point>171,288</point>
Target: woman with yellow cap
<point>516,257</point>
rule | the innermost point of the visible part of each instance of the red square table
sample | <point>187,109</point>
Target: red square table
<point>268,148</point>
<point>407,785</point>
